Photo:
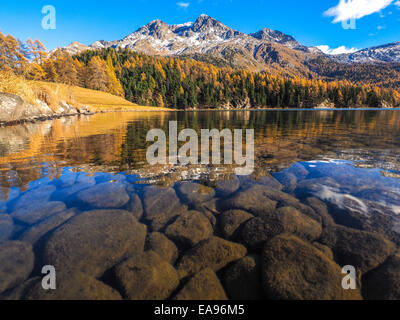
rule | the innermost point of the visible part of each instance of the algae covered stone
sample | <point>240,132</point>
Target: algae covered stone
<point>16,265</point>
<point>161,205</point>
<point>163,246</point>
<point>146,276</point>
<point>284,220</point>
<point>243,279</point>
<point>361,249</point>
<point>94,241</point>
<point>37,211</point>
<point>6,227</point>
<point>103,196</point>
<point>203,286</point>
<point>383,283</point>
<point>73,286</point>
<point>293,269</point>
<point>215,253</point>
<point>189,229</point>
<point>231,220</point>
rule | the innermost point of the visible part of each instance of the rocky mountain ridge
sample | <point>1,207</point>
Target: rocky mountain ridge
<point>209,40</point>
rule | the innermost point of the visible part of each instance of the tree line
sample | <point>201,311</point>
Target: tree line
<point>183,83</point>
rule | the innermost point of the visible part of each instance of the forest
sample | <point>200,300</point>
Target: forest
<point>184,83</point>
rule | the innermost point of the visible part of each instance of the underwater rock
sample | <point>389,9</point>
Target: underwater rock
<point>94,241</point>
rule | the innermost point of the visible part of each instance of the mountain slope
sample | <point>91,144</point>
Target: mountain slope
<point>209,40</point>
<point>385,53</point>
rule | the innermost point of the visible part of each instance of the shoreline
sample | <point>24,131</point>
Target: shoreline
<point>59,116</point>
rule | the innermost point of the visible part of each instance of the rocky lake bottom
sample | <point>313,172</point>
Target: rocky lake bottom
<point>79,196</point>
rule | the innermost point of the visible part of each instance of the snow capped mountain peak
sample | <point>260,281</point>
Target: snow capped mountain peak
<point>207,37</point>
<point>156,28</point>
<point>278,37</point>
<point>73,48</point>
<point>272,35</point>
<point>385,53</point>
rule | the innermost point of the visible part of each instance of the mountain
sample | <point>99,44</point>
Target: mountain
<point>201,36</point>
<point>278,37</point>
<point>385,53</point>
<point>74,48</point>
<point>209,40</point>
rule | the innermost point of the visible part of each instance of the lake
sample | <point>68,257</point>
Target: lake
<point>78,194</point>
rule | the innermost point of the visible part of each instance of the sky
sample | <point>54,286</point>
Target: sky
<point>312,22</point>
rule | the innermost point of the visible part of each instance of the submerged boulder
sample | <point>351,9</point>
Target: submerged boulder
<point>209,209</point>
<point>255,200</point>
<point>321,209</point>
<point>146,277</point>
<point>226,188</point>
<point>383,283</point>
<point>34,197</point>
<point>37,231</point>
<point>67,194</point>
<point>38,211</point>
<point>324,249</point>
<point>214,253</point>
<point>161,245</point>
<point>231,221</point>
<point>73,286</point>
<point>243,279</point>
<point>295,270</point>
<point>270,182</point>
<point>203,286</point>
<point>189,229</point>
<point>135,206</point>
<point>95,241</point>
<point>194,193</point>
<point>103,196</point>
<point>18,293</point>
<point>284,220</point>
<point>287,179</point>
<point>363,250</point>
<point>6,227</point>
<point>16,265</point>
<point>161,205</point>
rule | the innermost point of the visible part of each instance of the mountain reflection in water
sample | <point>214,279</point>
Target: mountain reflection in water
<point>116,142</point>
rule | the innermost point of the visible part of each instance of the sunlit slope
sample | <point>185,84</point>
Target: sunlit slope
<point>97,100</point>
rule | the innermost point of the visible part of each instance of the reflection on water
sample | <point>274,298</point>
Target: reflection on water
<point>315,171</point>
<point>116,142</point>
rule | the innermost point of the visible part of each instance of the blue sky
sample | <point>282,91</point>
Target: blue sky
<point>377,21</point>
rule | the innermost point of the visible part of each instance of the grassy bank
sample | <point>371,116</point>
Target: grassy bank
<point>97,100</point>
<point>54,93</point>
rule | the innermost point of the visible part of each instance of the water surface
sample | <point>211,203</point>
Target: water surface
<point>346,158</point>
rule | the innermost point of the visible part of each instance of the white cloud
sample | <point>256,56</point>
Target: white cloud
<point>397,3</point>
<point>183,5</point>
<point>342,49</point>
<point>356,9</point>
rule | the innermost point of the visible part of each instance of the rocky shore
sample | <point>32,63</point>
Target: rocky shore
<point>15,110</point>
<point>110,239</point>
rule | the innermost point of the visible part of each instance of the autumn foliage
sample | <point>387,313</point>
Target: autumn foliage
<point>186,83</point>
